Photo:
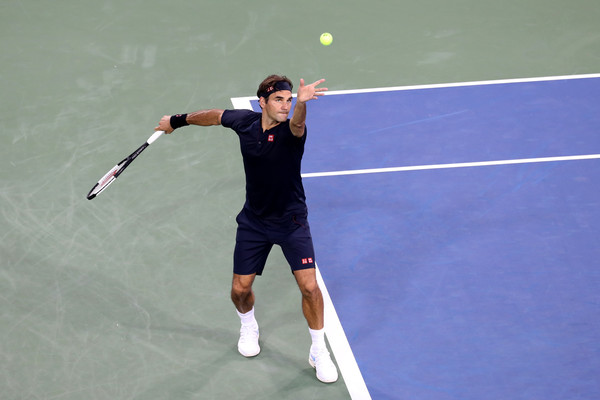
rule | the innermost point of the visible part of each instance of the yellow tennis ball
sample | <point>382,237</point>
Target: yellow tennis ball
<point>326,39</point>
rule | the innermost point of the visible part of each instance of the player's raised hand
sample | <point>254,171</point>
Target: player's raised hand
<point>310,92</point>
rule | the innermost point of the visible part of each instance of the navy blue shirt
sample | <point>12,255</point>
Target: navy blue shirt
<point>272,162</point>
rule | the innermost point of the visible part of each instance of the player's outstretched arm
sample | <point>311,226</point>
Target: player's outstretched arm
<point>169,123</point>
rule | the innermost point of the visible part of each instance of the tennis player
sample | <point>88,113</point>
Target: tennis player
<point>275,210</point>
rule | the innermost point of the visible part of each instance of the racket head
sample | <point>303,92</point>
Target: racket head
<point>114,173</point>
<point>106,180</point>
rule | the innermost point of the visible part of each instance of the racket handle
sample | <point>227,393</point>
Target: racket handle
<point>154,137</point>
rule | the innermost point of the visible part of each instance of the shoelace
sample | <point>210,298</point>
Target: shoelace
<point>321,357</point>
<point>248,333</point>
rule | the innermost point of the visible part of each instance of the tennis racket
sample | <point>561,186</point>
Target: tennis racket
<point>118,169</point>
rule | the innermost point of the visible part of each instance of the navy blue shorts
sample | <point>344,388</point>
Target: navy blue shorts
<point>255,239</point>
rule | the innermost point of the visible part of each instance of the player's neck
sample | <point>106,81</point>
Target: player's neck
<point>268,123</point>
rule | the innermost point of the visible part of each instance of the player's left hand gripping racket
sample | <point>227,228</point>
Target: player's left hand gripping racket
<point>118,169</point>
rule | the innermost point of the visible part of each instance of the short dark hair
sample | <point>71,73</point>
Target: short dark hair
<point>269,82</point>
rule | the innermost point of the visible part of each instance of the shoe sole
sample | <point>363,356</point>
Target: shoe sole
<point>249,354</point>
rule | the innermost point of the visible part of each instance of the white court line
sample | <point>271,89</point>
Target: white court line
<point>461,84</point>
<point>342,351</point>
<point>454,165</point>
<point>244,102</point>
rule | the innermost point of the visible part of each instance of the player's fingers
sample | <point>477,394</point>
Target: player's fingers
<point>165,125</point>
<point>167,131</point>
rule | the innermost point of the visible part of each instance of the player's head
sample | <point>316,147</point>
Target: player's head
<point>275,98</point>
<point>272,84</point>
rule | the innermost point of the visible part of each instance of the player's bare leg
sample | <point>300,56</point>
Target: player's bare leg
<point>241,292</point>
<point>312,298</point>
<point>243,299</point>
<point>313,309</point>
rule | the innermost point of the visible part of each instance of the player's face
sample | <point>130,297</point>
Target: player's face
<point>279,105</point>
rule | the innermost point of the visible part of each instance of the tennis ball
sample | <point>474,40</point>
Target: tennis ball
<point>326,39</point>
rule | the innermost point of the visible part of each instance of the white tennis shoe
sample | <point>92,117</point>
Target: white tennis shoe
<point>326,369</point>
<point>248,344</point>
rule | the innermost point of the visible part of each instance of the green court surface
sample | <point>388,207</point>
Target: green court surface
<point>127,296</point>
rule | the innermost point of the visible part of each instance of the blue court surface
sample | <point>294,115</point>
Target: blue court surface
<point>457,230</point>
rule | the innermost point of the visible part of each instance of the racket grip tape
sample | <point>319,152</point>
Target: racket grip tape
<point>155,136</point>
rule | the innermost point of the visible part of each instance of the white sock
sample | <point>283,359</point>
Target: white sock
<point>318,340</point>
<point>248,318</point>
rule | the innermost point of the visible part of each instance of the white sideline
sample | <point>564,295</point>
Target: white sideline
<point>341,349</point>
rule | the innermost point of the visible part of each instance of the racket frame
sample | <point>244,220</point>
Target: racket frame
<point>118,169</point>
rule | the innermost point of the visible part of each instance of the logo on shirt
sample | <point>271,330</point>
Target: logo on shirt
<point>271,138</point>
<point>307,260</point>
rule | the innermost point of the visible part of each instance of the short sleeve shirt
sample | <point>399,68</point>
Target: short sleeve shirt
<point>272,163</point>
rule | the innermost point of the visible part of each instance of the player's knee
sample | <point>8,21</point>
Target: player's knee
<point>310,289</point>
<point>240,290</point>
